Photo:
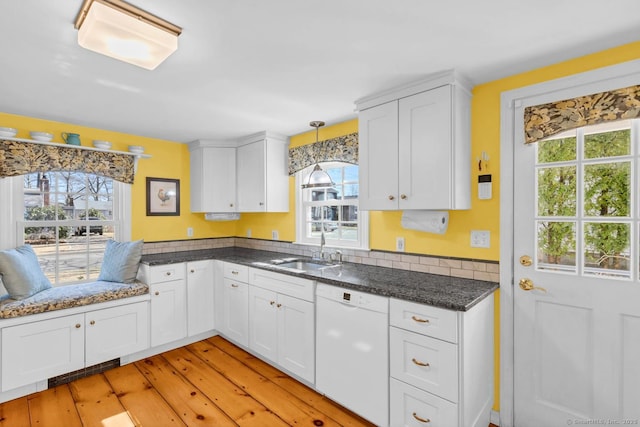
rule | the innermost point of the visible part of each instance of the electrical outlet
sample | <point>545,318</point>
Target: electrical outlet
<point>274,235</point>
<point>248,232</point>
<point>189,231</point>
<point>400,244</point>
<point>480,239</point>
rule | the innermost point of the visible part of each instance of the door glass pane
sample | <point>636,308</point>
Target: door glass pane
<point>607,189</point>
<point>557,191</point>
<point>557,150</point>
<point>557,245</point>
<point>607,249</point>
<point>607,144</point>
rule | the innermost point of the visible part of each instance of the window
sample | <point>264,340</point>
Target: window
<point>333,211</point>
<point>586,213</point>
<point>67,217</point>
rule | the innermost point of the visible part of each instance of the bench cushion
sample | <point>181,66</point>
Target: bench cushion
<point>62,297</point>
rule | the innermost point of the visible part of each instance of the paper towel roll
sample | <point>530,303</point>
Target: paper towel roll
<point>429,221</point>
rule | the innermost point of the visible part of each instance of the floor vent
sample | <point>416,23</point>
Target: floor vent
<point>82,373</point>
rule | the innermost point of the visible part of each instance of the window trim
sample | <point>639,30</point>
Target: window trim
<point>11,214</point>
<point>301,239</point>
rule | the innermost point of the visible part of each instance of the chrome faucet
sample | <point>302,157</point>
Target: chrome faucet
<point>322,243</point>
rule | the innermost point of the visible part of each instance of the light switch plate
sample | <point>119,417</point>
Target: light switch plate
<point>274,235</point>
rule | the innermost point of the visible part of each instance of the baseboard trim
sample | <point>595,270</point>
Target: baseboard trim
<point>495,418</point>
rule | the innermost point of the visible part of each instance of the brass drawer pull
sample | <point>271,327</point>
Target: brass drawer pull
<point>422,420</point>
<point>419,363</point>
<point>420,320</point>
<point>233,285</point>
<point>234,272</point>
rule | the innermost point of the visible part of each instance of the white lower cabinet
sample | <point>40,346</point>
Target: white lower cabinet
<point>441,365</point>
<point>115,332</point>
<point>235,304</point>
<point>200,297</point>
<point>39,350</point>
<point>281,328</point>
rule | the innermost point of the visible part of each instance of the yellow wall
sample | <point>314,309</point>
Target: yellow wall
<point>169,160</point>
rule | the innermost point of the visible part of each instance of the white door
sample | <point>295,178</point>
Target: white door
<point>263,322</point>
<point>168,312</point>
<point>577,331</point>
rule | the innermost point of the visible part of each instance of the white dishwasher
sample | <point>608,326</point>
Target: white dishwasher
<point>352,350</point>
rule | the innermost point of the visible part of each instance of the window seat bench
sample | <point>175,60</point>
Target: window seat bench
<point>62,297</point>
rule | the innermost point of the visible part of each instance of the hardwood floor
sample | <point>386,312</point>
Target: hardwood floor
<point>211,382</point>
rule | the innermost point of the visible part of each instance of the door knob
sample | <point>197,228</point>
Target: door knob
<point>527,285</point>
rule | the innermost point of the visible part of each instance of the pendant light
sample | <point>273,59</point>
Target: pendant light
<point>318,178</point>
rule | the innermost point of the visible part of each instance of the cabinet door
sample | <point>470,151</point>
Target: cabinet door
<point>296,338</point>
<point>168,312</point>
<point>425,150</point>
<point>40,350</point>
<point>115,332</point>
<point>378,130</point>
<point>251,163</point>
<point>263,322</point>
<point>213,179</point>
<point>200,297</point>
<point>235,323</point>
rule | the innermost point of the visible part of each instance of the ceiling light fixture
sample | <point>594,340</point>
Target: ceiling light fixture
<point>124,32</point>
<point>318,178</point>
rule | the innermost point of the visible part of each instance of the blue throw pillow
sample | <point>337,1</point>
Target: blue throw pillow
<point>21,273</point>
<point>121,261</point>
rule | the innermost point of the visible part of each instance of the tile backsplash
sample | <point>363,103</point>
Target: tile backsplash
<point>445,266</point>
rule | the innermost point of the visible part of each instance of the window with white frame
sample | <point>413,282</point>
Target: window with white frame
<point>332,211</point>
<point>67,217</point>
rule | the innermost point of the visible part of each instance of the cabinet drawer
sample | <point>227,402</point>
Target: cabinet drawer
<point>424,319</point>
<point>424,362</point>
<point>161,273</point>
<point>412,407</point>
<point>284,284</point>
<point>236,272</point>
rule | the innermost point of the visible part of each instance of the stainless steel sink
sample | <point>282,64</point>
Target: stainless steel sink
<point>296,265</point>
<point>306,265</point>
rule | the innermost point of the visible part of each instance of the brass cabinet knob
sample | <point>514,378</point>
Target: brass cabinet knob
<point>392,198</point>
<point>157,292</point>
<point>78,325</point>
<point>403,196</point>
<point>93,322</point>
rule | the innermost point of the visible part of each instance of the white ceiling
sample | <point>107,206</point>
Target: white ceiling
<point>244,66</point>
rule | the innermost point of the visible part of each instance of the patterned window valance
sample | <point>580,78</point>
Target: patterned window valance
<point>340,149</point>
<point>542,121</point>
<point>20,158</point>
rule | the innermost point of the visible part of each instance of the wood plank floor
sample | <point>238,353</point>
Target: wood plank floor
<point>208,383</point>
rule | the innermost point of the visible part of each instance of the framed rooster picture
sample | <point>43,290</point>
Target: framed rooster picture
<point>163,196</point>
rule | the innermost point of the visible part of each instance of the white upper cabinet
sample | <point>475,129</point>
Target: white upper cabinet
<point>415,148</point>
<point>263,183</point>
<point>213,176</point>
<point>244,175</point>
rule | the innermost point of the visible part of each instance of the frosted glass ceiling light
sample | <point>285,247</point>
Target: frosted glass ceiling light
<point>124,32</point>
<point>318,178</point>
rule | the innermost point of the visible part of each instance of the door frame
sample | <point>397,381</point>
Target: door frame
<point>598,80</point>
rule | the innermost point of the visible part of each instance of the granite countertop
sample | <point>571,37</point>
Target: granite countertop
<point>441,291</point>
